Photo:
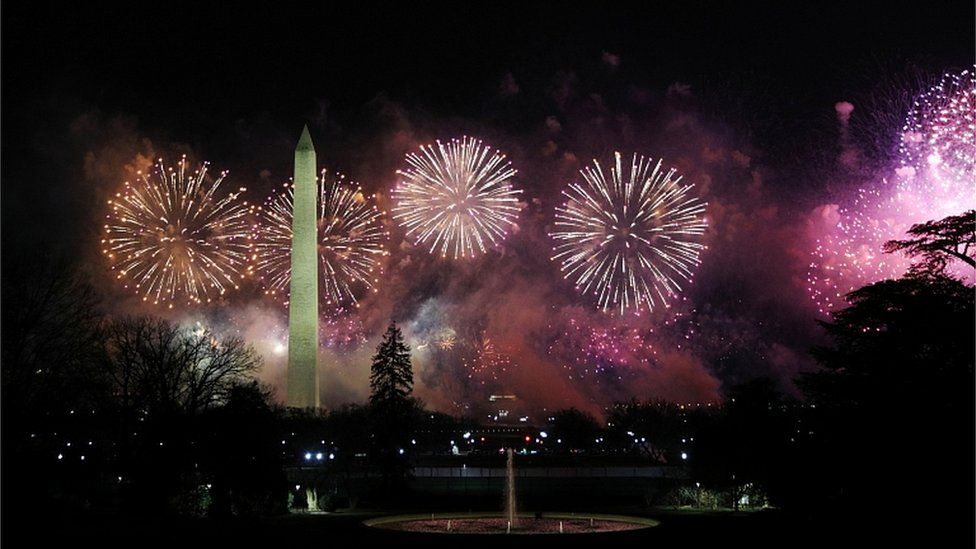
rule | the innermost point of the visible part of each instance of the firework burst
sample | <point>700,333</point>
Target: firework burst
<point>631,240</point>
<point>351,242</point>
<point>934,180</point>
<point>457,198</point>
<point>445,339</point>
<point>171,237</point>
<point>939,136</point>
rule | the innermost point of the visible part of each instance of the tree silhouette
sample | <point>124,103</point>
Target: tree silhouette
<point>164,379</point>
<point>657,426</point>
<point>576,428</point>
<point>898,338</point>
<point>391,375</point>
<point>392,411</point>
<point>743,444</point>
<point>51,383</point>
<point>243,469</point>
<point>159,367</point>
<point>936,243</point>
<point>52,334</point>
<point>894,398</point>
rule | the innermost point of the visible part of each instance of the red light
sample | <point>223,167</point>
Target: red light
<point>527,438</point>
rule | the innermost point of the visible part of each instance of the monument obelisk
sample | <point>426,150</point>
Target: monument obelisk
<point>303,307</point>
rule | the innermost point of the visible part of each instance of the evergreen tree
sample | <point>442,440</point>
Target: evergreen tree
<point>391,375</point>
<point>392,411</point>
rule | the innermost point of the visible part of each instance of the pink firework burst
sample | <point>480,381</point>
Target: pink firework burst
<point>939,136</point>
<point>934,180</point>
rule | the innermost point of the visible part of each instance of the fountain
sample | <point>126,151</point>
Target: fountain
<point>510,511</point>
<point>510,522</point>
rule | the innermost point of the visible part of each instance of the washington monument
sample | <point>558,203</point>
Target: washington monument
<point>303,308</point>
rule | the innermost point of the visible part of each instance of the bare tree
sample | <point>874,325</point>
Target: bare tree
<point>938,242</point>
<point>51,336</point>
<point>158,367</point>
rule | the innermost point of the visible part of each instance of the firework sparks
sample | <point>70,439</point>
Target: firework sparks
<point>612,351</point>
<point>351,241</point>
<point>600,351</point>
<point>344,332</point>
<point>629,241</point>
<point>457,197</point>
<point>446,339</point>
<point>849,254</point>
<point>171,238</point>
<point>486,361</point>
<point>939,135</point>
<point>935,180</point>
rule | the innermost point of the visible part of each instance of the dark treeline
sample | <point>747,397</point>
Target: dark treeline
<point>137,414</point>
<point>127,412</point>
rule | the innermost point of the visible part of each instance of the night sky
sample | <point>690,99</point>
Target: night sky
<point>740,98</point>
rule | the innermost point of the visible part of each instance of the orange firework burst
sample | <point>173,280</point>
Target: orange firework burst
<point>171,237</point>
